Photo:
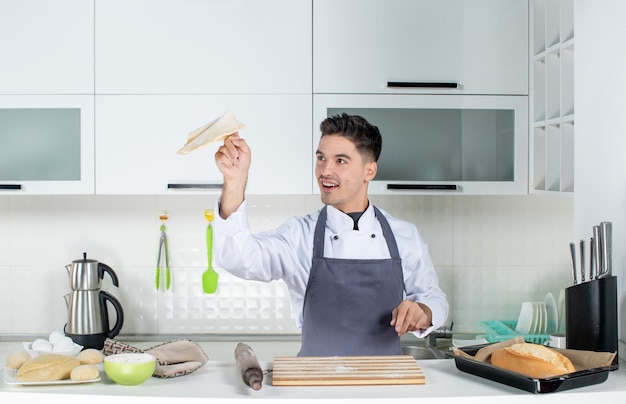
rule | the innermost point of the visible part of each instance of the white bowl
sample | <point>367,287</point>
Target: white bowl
<point>33,353</point>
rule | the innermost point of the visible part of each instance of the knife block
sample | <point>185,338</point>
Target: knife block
<point>591,316</point>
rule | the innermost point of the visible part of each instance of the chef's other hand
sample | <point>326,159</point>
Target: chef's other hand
<point>410,316</point>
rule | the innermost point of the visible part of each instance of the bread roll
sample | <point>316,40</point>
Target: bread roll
<point>47,367</point>
<point>90,357</point>
<point>84,372</point>
<point>532,360</point>
<point>16,359</point>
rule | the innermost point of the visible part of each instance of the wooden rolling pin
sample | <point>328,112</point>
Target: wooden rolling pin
<point>249,367</point>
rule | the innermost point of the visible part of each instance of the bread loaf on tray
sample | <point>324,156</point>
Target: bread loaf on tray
<point>532,360</point>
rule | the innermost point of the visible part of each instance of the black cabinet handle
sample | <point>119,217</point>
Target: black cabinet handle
<point>195,186</point>
<point>422,84</point>
<point>10,187</point>
<point>430,187</point>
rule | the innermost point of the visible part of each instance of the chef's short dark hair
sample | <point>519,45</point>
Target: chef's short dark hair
<point>365,136</point>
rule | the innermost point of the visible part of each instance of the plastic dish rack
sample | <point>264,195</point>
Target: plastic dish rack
<point>501,330</point>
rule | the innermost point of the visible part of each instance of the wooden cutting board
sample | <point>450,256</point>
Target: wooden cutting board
<point>346,370</point>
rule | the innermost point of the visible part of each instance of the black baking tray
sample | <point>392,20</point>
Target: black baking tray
<point>554,384</point>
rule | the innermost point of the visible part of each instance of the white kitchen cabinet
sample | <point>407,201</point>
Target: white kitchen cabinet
<point>47,144</point>
<point>552,97</point>
<point>359,46</point>
<point>203,47</point>
<point>46,47</point>
<point>442,144</point>
<point>137,137</point>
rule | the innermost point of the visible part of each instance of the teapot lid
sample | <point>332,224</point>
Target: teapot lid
<point>84,260</point>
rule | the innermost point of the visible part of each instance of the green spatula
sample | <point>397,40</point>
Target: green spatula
<point>209,277</point>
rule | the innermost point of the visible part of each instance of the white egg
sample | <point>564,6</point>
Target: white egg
<point>63,345</point>
<point>42,345</point>
<point>55,336</point>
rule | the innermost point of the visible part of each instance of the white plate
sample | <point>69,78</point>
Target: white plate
<point>525,319</point>
<point>543,318</point>
<point>10,377</point>
<point>561,318</point>
<point>552,312</point>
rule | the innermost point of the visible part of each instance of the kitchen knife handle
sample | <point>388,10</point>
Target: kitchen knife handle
<point>597,248</point>
<point>438,187</point>
<point>422,84</point>
<point>606,237</point>
<point>10,187</point>
<point>572,250</point>
<point>198,186</point>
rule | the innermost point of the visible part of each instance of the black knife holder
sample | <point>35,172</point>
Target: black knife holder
<point>591,316</point>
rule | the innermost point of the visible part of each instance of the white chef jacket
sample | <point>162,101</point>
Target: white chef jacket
<point>286,253</point>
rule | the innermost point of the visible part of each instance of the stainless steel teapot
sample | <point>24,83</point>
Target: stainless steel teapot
<point>87,305</point>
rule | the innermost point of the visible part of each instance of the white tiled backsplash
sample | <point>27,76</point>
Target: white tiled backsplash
<point>491,253</point>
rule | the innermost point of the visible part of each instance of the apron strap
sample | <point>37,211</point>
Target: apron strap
<point>318,236</point>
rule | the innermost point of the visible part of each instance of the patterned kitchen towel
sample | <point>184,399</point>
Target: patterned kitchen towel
<point>174,358</point>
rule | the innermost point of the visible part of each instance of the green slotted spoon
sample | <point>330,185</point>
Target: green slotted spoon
<point>209,277</point>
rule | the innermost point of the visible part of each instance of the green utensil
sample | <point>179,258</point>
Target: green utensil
<point>209,277</point>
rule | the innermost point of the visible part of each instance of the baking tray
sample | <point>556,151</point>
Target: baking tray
<point>554,384</point>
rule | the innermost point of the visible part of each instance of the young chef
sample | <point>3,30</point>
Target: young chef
<point>359,278</point>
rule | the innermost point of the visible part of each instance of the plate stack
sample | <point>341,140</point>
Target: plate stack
<point>538,317</point>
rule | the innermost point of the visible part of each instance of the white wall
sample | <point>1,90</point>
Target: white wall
<point>600,83</point>
<point>491,254</point>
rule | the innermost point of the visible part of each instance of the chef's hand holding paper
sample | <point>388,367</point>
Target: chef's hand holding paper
<point>233,160</point>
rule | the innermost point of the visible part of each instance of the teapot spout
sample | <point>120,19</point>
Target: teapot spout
<point>67,300</point>
<point>69,268</point>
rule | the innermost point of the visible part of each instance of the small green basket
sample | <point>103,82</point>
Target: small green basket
<point>501,330</point>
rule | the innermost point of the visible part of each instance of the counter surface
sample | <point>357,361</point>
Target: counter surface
<point>219,380</point>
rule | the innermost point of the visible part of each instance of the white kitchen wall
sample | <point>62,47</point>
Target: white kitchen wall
<point>491,254</point>
<point>600,126</point>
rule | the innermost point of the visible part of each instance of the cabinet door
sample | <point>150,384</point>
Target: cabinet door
<point>203,47</point>
<point>46,144</point>
<point>442,144</point>
<point>361,45</point>
<point>46,47</point>
<point>138,136</point>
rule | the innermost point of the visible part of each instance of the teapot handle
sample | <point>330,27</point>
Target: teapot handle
<point>111,333</point>
<point>102,268</point>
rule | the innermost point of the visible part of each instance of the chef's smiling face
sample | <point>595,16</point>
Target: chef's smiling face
<point>343,174</point>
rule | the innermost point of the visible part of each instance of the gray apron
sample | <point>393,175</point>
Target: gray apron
<point>348,302</point>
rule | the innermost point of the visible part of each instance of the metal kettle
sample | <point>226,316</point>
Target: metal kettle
<point>87,305</point>
<point>87,274</point>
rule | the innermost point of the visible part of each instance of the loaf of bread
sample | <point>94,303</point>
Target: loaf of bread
<point>90,356</point>
<point>84,372</point>
<point>47,367</point>
<point>16,359</point>
<point>532,360</point>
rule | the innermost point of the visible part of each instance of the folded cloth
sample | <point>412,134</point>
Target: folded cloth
<point>174,358</point>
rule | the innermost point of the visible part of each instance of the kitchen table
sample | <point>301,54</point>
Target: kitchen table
<point>220,382</point>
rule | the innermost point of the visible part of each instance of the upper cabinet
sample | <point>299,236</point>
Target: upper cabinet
<point>139,135</point>
<point>552,97</point>
<point>420,46</point>
<point>46,144</point>
<point>46,47</point>
<point>203,47</point>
